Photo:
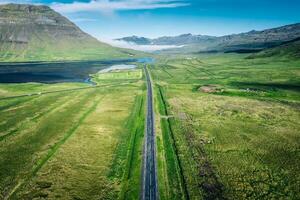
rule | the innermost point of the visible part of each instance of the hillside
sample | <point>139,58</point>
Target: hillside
<point>260,39</point>
<point>289,49</point>
<point>38,33</point>
<point>244,42</point>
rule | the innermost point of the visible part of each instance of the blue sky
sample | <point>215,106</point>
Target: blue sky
<point>153,18</point>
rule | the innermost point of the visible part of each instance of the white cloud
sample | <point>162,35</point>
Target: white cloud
<point>110,5</point>
<point>129,45</point>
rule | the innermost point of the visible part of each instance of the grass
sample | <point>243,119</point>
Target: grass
<point>30,137</point>
<point>120,77</point>
<point>226,128</point>
<point>173,174</point>
<point>51,150</point>
<point>122,74</point>
<point>132,173</point>
<point>46,48</point>
<point>240,141</point>
<point>7,90</point>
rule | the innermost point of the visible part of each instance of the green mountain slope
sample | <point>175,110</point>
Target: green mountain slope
<point>288,49</point>
<point>37,33</point>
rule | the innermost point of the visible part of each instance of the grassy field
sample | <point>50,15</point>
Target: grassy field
<point>119,74</point>
<point>7,90</point>
<point>83,144</point>
<point>229,127</point>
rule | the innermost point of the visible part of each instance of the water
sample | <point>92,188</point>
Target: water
<point>146,60</point>
<point>60,71</point>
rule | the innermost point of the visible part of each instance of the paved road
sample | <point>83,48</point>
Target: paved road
<point>149,171</point>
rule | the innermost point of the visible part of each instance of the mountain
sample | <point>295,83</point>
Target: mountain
<point>167,40</point>
<point>258,40</point>
<point>287,49</point>
<point>244,42</point>
<point>184,39</point>
<point>38,33</point>
<point>136,40</point>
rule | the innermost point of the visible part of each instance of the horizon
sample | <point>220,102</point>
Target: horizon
<point>158,18</point>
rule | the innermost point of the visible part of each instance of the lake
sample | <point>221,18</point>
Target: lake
<point>58,71</point>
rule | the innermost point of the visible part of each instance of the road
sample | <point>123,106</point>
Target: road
<point>149,170</point>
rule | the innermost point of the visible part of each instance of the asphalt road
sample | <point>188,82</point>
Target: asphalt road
<point>149,170</point>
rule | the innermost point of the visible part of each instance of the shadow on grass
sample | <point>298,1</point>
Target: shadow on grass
<point>267,86</point>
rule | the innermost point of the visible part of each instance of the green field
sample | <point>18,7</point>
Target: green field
<point>232,127</point>
<point>227,127</point>
<point>119,74</point>
<point>187,100</point>
<point>83,144</point>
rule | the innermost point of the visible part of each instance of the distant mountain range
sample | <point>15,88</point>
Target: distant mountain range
<point>244,42</point>
<point>168,40</point>
<point>38,33</point>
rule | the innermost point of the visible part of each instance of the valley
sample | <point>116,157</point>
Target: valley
<point>218,133</point>
<point>216,118</point>
<point>230,133</point>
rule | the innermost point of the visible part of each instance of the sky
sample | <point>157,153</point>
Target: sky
<point>109,19</point>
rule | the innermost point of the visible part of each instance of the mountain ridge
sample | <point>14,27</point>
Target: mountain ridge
<point>252,40</point>
<point>287,49</point>
<point>164,40</point>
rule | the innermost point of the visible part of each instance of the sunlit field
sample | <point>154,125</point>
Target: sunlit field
<point>149,100</point>
<point>230,127</point>
<point>81,144</point>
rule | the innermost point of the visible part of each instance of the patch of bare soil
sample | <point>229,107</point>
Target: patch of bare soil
<point>210,89</point>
